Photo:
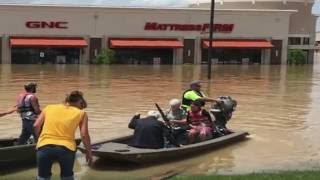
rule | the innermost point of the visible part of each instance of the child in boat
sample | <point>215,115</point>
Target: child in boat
<point>200,122</point>
<point>9,111</point>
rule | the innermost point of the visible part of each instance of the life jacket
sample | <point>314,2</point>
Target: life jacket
<point>25,107</point>
<point>198,118</point>
<point>187,102</point>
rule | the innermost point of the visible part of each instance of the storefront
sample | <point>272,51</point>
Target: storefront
<point>144,51</point>
<point>73,35</point>
<point>236,51</point>
<point>34,50</point>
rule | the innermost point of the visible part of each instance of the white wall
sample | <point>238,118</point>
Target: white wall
<point>130,22</point>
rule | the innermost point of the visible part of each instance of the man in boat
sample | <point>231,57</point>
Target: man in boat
<point>200,122</point>
<point>148,132</point>
<point>177,117</point>
<point>194,93</point>
<point>28,107</point>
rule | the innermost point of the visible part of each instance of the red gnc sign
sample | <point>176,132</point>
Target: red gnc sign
<point>47,24</point>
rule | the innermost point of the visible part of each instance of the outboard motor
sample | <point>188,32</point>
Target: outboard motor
<point>222,111</point>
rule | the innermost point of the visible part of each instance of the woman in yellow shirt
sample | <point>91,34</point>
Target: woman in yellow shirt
<point>57,125</point>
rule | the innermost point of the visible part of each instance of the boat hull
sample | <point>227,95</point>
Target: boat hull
<point>17,155</point>
<point>117,150</point>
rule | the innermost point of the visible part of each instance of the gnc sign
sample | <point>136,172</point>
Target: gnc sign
<point>47,24</point>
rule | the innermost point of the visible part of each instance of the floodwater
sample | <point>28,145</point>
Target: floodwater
<point>278,105</point>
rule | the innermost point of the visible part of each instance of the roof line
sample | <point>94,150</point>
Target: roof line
<point>140,8</point>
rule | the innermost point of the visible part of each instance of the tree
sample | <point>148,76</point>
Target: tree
<point>297,57</point>
<point>106,56</point>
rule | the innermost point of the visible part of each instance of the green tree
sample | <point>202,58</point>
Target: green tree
<point>297,57</point>
<point>106,56</point>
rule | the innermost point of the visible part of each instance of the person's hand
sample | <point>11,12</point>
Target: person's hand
<point>168,123</point>
<point>89,158</point>
<point>192,126</point>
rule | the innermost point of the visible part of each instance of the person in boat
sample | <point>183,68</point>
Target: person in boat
<point>28,107</point>
<point>56,126</point>
<point>148,132</point>
<point>200,122</point>
<point>177,117</point>
<point>194,93</point>
<point>9,111</point>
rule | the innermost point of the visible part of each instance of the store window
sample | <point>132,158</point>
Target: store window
<point>306,41</point>
<point>24,55</point>
<point>294,41</point>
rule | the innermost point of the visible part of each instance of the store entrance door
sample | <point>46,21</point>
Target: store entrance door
<point>276,52</point>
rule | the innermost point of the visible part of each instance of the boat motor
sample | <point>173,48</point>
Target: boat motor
<point>222,111</point>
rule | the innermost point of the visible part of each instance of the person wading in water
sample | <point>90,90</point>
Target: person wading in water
<point>28,107</point>
<point>57,125</point>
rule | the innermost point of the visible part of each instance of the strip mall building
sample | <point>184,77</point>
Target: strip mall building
<point>67,34</point>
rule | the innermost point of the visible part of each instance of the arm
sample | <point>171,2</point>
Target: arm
<point>206,99</point>
<point>38,124</point>
<point>10,111</point>
<point>35,105</point>
<point>193,96</point>
<point>133,121</point>
<point>85,137</point>
<point>183,121</point>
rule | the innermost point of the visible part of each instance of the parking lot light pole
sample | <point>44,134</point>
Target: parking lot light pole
<point>210,52</point>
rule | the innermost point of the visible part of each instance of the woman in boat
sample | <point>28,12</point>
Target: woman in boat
<point>200,122</point>
<point>56,141</point>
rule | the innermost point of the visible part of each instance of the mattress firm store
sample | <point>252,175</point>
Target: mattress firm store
<point>72,35</point>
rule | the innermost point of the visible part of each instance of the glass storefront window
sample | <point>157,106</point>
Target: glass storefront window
<point>306,41</point>
<point>233,56</point>
<point>294,41</point>
<point>22,55</point>
<point>144,56</point>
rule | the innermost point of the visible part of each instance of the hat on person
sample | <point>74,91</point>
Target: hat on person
<point>174,102</point>
<point>195,82</point>
<point>154,114</point>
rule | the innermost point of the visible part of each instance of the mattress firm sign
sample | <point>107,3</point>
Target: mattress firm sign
<point>46,24</point>
<point>220,28</point>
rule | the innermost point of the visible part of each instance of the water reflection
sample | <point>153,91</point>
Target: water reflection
<point>278,105</point>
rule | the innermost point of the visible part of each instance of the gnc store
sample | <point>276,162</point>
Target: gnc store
<point>72,35</point>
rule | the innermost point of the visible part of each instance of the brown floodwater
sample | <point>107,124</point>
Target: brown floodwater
<point>278,105</point>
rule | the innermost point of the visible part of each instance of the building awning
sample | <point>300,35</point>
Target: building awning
<point>239,43</point>
<point>145,43</point>
<point>48,42</point>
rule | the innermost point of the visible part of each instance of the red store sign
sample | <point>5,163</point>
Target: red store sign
<point>223,28</point>
<point>47,24</point>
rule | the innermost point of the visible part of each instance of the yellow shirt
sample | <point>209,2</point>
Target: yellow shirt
<point>60,124</point>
